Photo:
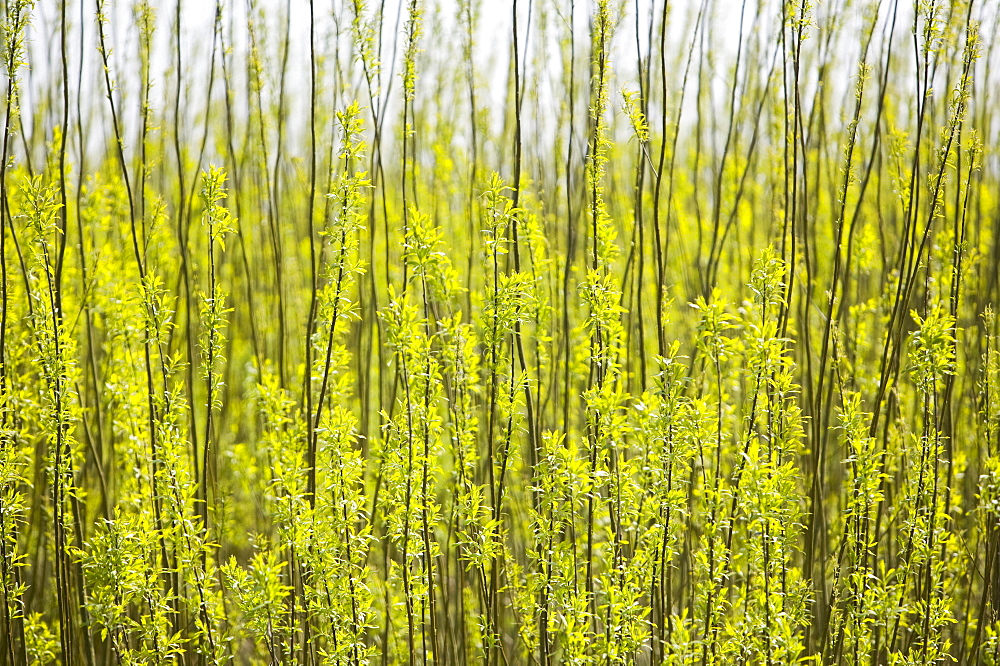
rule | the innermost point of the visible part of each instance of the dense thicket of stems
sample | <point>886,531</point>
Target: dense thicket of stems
<point>530,332</point>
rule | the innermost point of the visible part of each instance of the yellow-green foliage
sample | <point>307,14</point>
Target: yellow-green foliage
<point>331,335</point>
